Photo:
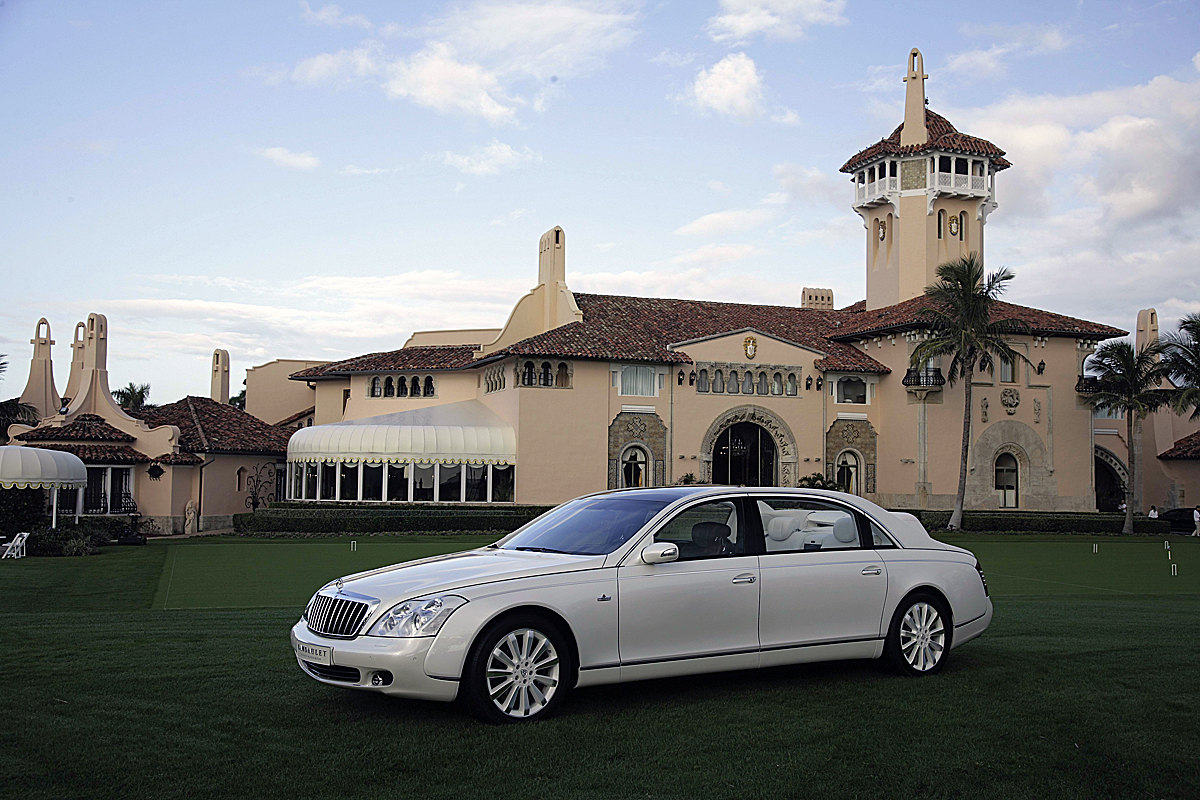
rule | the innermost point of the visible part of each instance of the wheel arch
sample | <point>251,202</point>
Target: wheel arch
<point>535,609</point>
<point>926,588</point>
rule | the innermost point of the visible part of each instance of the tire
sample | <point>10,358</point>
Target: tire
<point>921,629</point>
<point>520,670</point>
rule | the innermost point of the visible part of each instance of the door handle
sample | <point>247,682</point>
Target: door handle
<point>745,579</point>
<point>871,571</point>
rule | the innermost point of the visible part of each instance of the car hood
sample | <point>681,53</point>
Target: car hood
<point>459,570</point>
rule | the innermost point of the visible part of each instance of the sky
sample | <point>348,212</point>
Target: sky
<point>306,180</point>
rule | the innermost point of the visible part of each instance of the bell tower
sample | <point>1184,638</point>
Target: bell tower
<point>924,194</point>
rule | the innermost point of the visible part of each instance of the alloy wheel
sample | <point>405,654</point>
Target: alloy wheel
<point>522,672</point>
<point>922,637</point>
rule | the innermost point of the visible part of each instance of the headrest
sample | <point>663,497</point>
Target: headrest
<point>845,530</point>
<point>780,529</point>
<point>706,534</point>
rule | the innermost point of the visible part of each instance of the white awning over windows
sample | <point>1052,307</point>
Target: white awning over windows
<point>35,468</point>
<point>456,433</point>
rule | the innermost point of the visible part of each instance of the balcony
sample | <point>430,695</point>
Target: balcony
<point>876,191</point>
<point>924,379</point>
<point>1087,385</point>
<point>879,191</point>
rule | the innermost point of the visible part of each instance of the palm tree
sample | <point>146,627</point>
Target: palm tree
<point>14,411</point>
<point>133,398</point>
<point>962,326</point>
<point>1130,381</point>
<point>1182,360</point>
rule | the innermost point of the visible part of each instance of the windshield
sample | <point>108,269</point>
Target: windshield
<point>590,526</point>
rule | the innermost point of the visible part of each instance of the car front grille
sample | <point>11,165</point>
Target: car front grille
<point>335,616</point>
<point>334,672</point>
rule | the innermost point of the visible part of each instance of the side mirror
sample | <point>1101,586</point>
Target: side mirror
<point>660,553</point>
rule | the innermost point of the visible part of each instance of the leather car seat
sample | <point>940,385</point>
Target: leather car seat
<point>711,538</point>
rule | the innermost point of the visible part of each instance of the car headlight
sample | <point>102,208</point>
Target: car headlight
<point>423,616</point>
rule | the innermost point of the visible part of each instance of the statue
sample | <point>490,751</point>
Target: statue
<point>983,406</point>
<point>191,517</point>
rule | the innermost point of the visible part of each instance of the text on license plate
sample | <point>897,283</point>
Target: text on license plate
<point>315,653</point>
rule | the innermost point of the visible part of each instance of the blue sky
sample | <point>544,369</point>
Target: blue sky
<point>303,180</point>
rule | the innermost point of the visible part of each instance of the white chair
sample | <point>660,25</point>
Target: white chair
<point>16,548</point>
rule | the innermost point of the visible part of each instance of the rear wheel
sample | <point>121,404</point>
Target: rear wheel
<point>519,670</point>
<point>920,636</point>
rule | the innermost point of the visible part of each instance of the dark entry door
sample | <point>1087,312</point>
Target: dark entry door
<point>744,455</point>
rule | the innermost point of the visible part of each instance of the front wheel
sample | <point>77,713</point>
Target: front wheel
<point>919,639</point>
<point>519,670</point>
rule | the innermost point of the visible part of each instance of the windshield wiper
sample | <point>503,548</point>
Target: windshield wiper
<point>545,550</point>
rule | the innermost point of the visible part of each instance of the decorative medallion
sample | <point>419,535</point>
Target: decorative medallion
<point>750,346</point>
<point>882,230</point>
<point>1010,399</point>
<point>953,226</point>
<point>850,434</point>
<point>636,427</point>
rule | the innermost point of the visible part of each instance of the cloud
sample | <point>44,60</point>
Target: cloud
<point>350,169</point>
<point>812,186</point>
<point>343,65</point>
<point>669,58</point>
<point>286,158</point>
<point>717,186</point>
<point>732,87</point>
<point>512,216</point>
<point>434,77</point>
<point>490,159</point>
<point>739,20</point>
<point>604,247</point>
<point>730,221</point>
<point>785,116</point>
<point>1016,41</point>
<point>332,15</point>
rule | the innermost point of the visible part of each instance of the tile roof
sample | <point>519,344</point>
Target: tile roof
<point>912,314</point>
<point>1187,447</point>
<point>434,357</point>
<point>294,418</point>
<point>207,426</point>
<point>121,454</point>
<point>179,459</point>
<point>644,328</point>
<point>84,428</point>
<point>942,136</point>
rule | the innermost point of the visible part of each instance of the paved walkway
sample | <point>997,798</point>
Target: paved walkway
<point>213,532</point>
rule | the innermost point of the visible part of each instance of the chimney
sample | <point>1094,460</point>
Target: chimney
<point>816,298</point>
<point>220,376</point>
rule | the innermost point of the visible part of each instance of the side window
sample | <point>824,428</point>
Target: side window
<point>879,539</point>
<point>710,530</point>
<point>792,525</point>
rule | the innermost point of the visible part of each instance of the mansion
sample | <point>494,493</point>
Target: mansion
<point>581,392</point>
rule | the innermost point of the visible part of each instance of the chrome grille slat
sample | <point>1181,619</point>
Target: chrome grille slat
<point>336,616</point>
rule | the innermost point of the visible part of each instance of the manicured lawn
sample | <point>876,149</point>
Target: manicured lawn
<point>1087,685</point>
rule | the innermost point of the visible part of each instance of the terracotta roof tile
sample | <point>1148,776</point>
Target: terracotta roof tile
<point>207,426</point>
<point>1188,447</point>
<point>913,313</point>
<point>84,428</point>
<point>294,418</point>
<point>435,357</point>
<point>942,136</point>
<point>121,454</point>
<point>179,459</point>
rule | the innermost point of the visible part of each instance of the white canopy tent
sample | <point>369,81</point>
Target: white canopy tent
<point>35,468</point>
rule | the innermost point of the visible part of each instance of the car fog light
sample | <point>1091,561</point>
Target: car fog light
<point>381,679</point>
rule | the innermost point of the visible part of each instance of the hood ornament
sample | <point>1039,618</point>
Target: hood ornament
<point>338,583</point>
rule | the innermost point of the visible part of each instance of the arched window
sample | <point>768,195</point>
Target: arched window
<point>546,376</point>
<point>792,388</point>
<point>735,385</point>
<point>747,382</point>
<point>962,226</point>
<point>702,381</point>
<point>718,382</point>
<point>415,390</point>
<point>562,378</point>
<point>847,472</point>
<point>527,374</point>
<point>1006,480</point>
<point>941,223</point>
<point>764,386</point>
<point>401,387</point>
<point>777,384</point>
<point>375,391</point>
<point>635,468</point>
<point>852,390</point>
<point>429,386</point>
<point>389,387</point>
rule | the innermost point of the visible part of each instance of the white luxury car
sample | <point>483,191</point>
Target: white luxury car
<point>648,583</point>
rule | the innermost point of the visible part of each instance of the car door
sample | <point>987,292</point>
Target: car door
<point>678,617</point>
<point>819,584</point>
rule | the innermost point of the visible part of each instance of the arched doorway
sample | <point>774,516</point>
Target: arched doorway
<point>744,455</point>
<point>1006,480</point>
<point>846,472</point>
<point>634,468</point>
<point>1110,489</point>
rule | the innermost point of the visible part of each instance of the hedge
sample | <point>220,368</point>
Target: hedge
<point>296,518</point>
<point>1040,522</point>
<point>22,510</point>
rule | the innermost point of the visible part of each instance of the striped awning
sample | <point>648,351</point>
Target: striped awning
<point>34,468</point>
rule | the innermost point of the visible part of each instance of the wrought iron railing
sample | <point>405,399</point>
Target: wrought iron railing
<point>123,504</point>
<point>1087,384</point>
<point>95,502</point>
<point>924,378</point>
<point>67,500</point>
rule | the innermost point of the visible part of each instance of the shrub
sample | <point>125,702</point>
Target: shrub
<point>296,518</point>
<point>817,481</point>
<point>1040,522</point>
<point>22,510</point>
<point>79,545</point>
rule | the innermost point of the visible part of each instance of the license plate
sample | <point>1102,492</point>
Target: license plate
<point>314,653</point>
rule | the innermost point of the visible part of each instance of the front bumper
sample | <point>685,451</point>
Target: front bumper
<point>404,659</point>
<point>973,629</point>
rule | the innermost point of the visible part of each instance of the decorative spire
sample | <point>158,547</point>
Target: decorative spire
<point>39,389</point>
<point>914,131</point>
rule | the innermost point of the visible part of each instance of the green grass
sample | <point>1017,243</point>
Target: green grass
<point>1085,686</point>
